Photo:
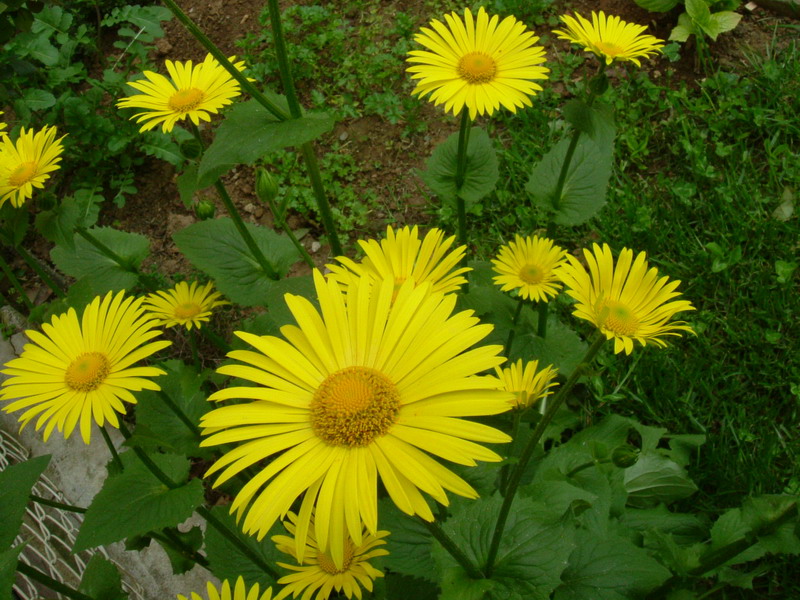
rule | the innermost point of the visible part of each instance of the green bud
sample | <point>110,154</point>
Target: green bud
<point>191,149</point>
<point>266,187</point>
<point>205,209</point>
<point>625,456</point>
<point>599,84</point>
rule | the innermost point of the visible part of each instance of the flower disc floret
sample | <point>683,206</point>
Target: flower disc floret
<point>27,163</point>
<point>477,63</point>
<point>79,371</point>
<point>609,37</point>
<point>528,266</point>
<point>627,301</point>
<point>373,385</point>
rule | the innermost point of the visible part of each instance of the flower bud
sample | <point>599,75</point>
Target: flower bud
<point>625,456</point>
<point>266,187</point>
<point>205,209</point>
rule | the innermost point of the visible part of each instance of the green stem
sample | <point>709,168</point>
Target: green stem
<point>51,583</point>
<point>517,416</point>
<point>212,337</point>
<point>192,335</point>
<point>527,453</point>
<point>280,223</point>
<point>451,547</point>
<point>111,448</point>
<point>41,271</point>
<point>212,49</point>
<point>284,67</point>
<point>15,282</point>
<point>461,172</point>
<point>588,465</point>
<point>323,206</point>
<point>54,504</point>
<point>202,510</point>
<point>168,538</point>
<point>562,176</point>
<point>179,413</point>
<point>512,332</point>
<point>542,308</point>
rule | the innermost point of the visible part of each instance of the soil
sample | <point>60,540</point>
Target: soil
<point>158,212</point>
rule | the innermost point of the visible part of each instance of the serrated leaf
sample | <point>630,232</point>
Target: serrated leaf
<point>403,587</point>
<point>481,171</point>
<point>562,347</point>
<point>58,225</point>
<point>409,544</point>
<point>16,482</point>
<point>104,274</point>
<point>655,478</point>
<point>216,248</point>
<point>679,558</point>
<point>38,47</point>
<point>101,580</point>
<point>720,23</point>
<point>38,99</point>
<point>250,131</point>
<point>684,528</point>
<point>158,426</point>
<point>52,19</point>
<point>229,562</point>
<point>187,184</point>
<point>698,12</point>
<point>8,569</point>
<point>608,567</point>
<point>160,145</point>
<point>135,501</point>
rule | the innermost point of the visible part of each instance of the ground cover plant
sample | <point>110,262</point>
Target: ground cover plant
<point>601,311</point>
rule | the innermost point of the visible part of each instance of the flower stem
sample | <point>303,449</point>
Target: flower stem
<point>202,510</point>
<point>542,308</point>
<point>192,335</point>
<point>461,172</point>
<point>54,504</point>
<point>451,547</point>
<point>527,453</point>
<point>111,448</point>
<point>168,538</point>
<point>323,206</point>
<point>51,583</point>
<point>517,416</point>
<point>512,332</point>
<point>41,271</point>
<point>179,413</point>
<point>15,282</point>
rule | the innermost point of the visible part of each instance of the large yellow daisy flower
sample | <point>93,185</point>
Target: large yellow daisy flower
<point>528,266</point>
<point>27,163</point>
<point>239,592</point>
<point>477,63</point>
<point>80,370</point>
<point>627,302</point>
<point>187,305</point>
<point>317,571</point>
<point>529,385</point>
<point>365,388</point>
<point>610,38</point>
<point>401,256</point>
<point>192,91</point>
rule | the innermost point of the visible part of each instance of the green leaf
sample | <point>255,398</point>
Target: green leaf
<point>13,224</point>
<point>58,225</point>
<point>135,501</point>
<point>229,562</point>
<point>658,5</point>
<point>481,173</point>
<point>104,274</point>
<point>533,551</point>
<point>158,426</point>
<point>721,22</point>
<point>655,478</point>
<point>684,28</point>
<point>160,145</point>
<point>562,347</point>
<point>409,544</point>
<point>685,529</point>
<point>192,539</point>
<point>698,12</point>
<point>38,99</point>
<point>403,587</point>
<point>608,567</point>
<point>216,248</point>
<point>8,569</point>
<point>584,191</point>
<point>16,482</point>
<point>250,131</point>
<point>52,19</point>
<point>187,184</point>
<point>38,47</point>
<point>101,580</point>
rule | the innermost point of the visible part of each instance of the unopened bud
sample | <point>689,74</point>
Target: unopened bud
<point>266,187</point>
<point>205,209</point>
<point>625,456</point>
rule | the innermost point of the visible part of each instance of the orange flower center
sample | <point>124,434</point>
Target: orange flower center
<point>87,372</point>
<point>611,50</point>
<point>531,274</point>
<point>353,406</point>
<point>326,563</point>
<point>186,100</point>
<point>187,310</point>
<point>23,174</point>
<point>617,318</point>
<point>477,67</point>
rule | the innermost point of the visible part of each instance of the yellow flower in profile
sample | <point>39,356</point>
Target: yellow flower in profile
<point>529,385</point>
<point>83,370</point>
<point>317,571</point>
<point>528,266</point>
<point>27,163</point>
<point>239,592</point>
<point>187,305</point>
<point>610,38</point>
<point>627,302</point>
<point>192,91</point>
<point>2,127</point>
<point>360,390</point>
<point>478,63</point>
<point>401,256</point>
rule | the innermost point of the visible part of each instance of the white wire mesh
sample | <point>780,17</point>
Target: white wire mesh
<point>50,534</point>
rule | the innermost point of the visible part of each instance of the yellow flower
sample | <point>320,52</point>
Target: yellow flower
<point>610,38</point>
<point>188,305</point>
<point>477,63</point>
<point>401,257</point>
<point>2,127</point>
<point>529,385</point>
<point>626,303</point>
<point>362,389</point>
<point>75,371</point>
<point>239,592</point>
<point>528,266</point>
<point>27,164</point>
<point>191,91</point>
<point>317,571</point>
